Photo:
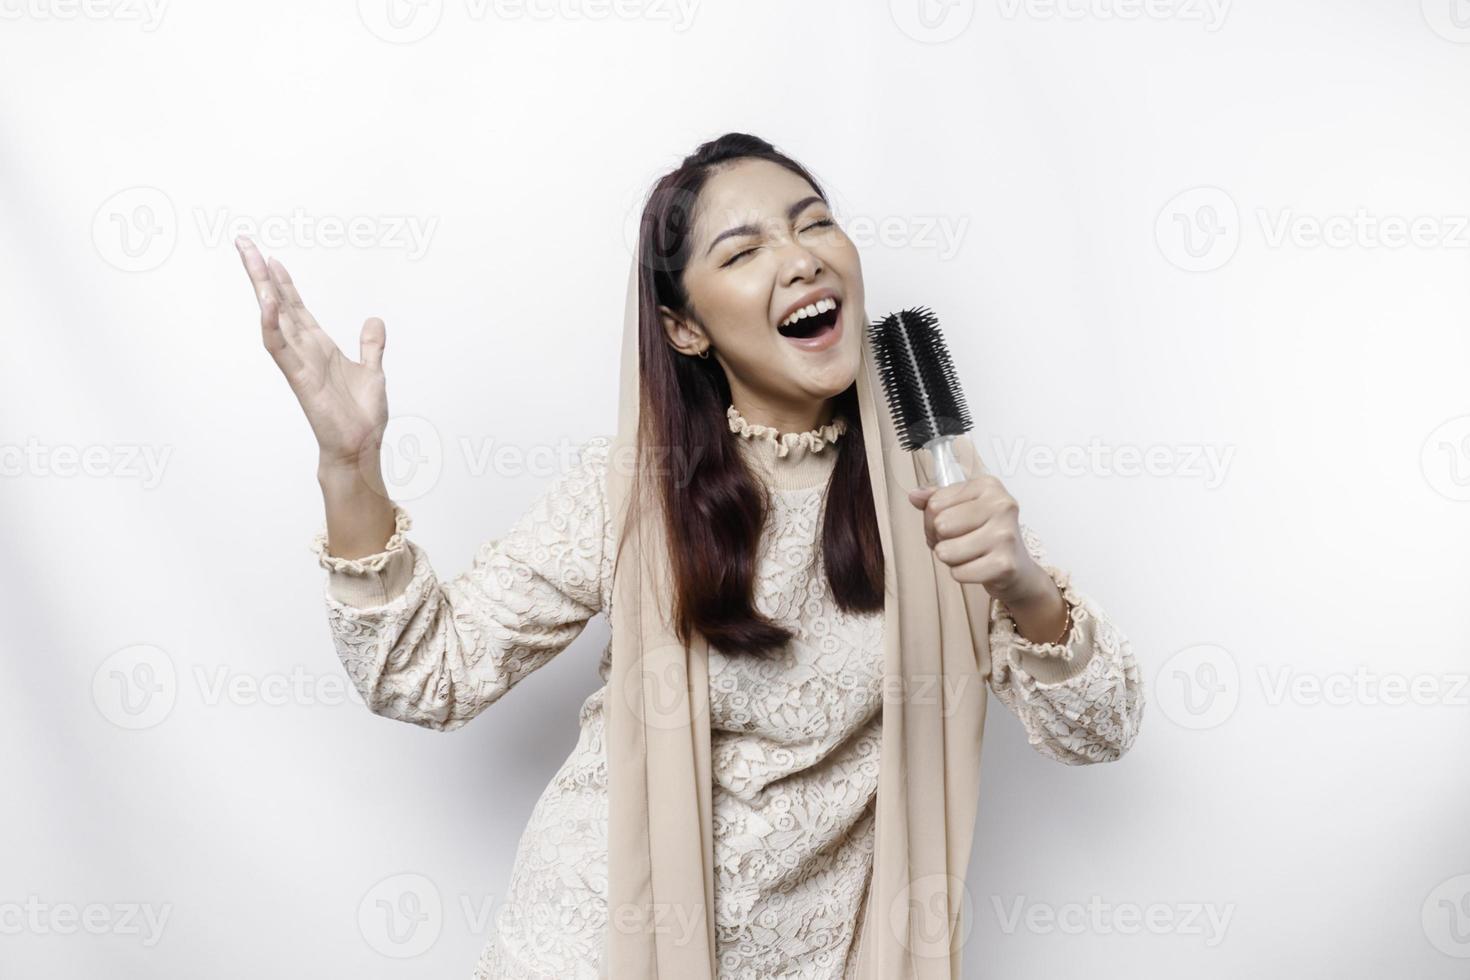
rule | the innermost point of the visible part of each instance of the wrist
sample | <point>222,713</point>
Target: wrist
<point>339,473</point>
<point>1040,611</point>
<point>1034,589</point>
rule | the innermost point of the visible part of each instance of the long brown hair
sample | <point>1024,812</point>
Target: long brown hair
<point>713,506</point>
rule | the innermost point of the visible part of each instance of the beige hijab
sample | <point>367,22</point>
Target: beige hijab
<point>661,922</point>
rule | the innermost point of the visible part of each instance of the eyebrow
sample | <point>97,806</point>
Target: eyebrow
<point>791,214</point>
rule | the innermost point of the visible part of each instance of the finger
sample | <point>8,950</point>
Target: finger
<point>930,537</point>
<point>275,341</point>
<point>960,518</point>
<point>919,496</point>
<point>991,506</point>
<point>289,312</point>
<point>302,327</point>
<point>289,294</point>
<point>992,570</point>
<point>950,495</point>
<point>256,269</point>
<point>984,540</point>
<point>266,290</point>
<point>371,343</point>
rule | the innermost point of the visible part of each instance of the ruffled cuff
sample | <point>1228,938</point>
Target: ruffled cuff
<point>372,580</point>
<point>1046,663</point>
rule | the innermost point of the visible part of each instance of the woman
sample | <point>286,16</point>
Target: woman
<point>748,370</point>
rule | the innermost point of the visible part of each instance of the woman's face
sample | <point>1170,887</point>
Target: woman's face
<point>763,243</point>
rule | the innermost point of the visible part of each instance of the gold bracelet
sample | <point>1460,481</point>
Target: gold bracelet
<point>1066,627</point>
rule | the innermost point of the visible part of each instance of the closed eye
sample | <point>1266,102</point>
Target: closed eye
<point>824,223</point>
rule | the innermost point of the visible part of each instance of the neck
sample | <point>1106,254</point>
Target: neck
<point>783,417</point>
<point>796,460</point>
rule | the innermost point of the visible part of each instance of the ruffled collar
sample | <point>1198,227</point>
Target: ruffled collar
<point>782,443</point>
<point>787,461</point>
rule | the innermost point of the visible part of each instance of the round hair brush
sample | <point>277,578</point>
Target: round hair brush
<point>923,393</point>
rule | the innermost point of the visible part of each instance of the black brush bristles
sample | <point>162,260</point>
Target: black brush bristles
<point>924,396</point>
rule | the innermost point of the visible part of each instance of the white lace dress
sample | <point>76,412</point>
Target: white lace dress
<point>795,741</point>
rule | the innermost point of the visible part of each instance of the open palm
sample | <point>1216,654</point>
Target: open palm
<point>345,401</point>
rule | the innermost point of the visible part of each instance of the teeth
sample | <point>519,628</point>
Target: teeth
<point>812,309</point>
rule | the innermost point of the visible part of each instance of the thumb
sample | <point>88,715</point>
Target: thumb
<point>919,496</point>
<point>371,342</point>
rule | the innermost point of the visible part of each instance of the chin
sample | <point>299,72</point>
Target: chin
<point>837,378</point>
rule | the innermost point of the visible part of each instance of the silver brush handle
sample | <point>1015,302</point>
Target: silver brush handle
<point>946,466</point>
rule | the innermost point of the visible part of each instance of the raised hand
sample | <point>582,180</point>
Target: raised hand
<point>345,401</point>
<point>974,527</point>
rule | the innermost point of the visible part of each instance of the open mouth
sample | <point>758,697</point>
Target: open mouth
<point>809,327</point>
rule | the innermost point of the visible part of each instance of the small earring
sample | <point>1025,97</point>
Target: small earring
<point>704,354</point>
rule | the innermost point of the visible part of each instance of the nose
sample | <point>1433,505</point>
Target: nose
<point>802,263</point>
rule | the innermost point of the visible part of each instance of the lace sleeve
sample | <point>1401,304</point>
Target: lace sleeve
<point>1080,700</point>
<point>436,654</point>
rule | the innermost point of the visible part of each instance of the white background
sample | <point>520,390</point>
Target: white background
<point>1111,207</point>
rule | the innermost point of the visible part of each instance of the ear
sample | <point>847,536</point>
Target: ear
<point>685,336</point>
